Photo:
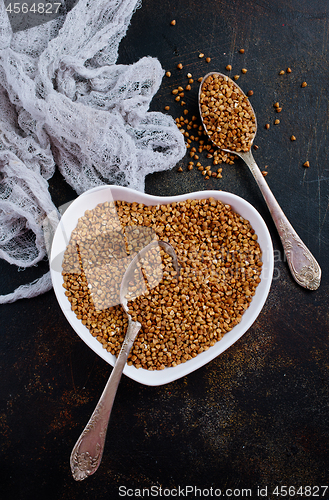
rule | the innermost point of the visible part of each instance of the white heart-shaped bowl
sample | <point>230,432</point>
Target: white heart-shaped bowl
<point>89,200</point>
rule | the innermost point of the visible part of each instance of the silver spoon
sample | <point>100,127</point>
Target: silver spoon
<point>88,450</point>
<point>303,266</point>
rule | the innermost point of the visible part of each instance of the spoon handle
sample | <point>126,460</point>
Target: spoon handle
<point>88,450</point>
<point>303,266</point>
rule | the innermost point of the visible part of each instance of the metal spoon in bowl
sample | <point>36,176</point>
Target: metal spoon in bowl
<point>88,450</point>
<point>303,266</point>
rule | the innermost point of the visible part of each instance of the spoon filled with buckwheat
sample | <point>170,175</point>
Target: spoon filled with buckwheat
<point>230,123</point>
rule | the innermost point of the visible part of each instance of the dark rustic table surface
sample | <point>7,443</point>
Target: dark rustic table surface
<point>256,417</point>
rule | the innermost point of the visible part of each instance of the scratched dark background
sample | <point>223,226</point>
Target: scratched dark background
<point>257,415</point>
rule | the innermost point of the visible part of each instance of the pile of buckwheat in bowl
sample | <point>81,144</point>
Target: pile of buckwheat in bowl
<point>220,265</point>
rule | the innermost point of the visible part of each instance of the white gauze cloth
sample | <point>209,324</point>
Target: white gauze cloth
<point>64,102</point>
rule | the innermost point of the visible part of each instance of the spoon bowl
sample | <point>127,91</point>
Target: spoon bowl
<point>239,93</point>
<point>303,266</point>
